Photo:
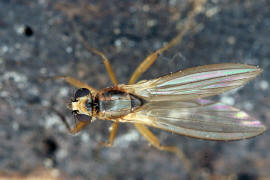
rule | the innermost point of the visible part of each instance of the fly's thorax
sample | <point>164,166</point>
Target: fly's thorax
<point>113,103</point>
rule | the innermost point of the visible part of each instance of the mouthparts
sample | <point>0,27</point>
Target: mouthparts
<point>69,105</point>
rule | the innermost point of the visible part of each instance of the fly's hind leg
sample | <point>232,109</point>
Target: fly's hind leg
<point>150,59</point>
<point>153,140</point>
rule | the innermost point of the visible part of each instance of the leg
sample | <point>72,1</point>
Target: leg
<point>79,126</point>
<point>74,82</point>
<point>109,143</point>
<point>152,139</point>
<point>106,61</point>
<point>150,59</point>
<point>112,136</point>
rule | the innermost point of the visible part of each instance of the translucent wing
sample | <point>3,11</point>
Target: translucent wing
<point>194,83</point>
<point>202,119</point>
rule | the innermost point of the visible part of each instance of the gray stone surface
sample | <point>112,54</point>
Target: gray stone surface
<point>31,135</point>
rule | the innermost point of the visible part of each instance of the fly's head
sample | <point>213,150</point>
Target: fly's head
<point>81,105</point>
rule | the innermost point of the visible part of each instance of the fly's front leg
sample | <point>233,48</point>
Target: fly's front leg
<point>78,127</point>
<point>74,82</point>
<point>153,140</point>
<point>105,60</point>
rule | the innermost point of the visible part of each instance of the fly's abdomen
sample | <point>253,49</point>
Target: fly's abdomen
<point>115,103</point>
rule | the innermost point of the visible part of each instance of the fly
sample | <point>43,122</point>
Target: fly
<point>175,103</point>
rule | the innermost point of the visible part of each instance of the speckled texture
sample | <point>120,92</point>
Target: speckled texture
<point>31,135</point>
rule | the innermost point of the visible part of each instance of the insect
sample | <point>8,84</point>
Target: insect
<point>174,102</point>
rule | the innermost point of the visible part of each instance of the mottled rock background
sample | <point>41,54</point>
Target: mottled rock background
<point>37,40</point>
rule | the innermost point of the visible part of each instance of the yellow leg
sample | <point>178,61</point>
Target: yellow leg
<point>79,126</point>
<point>109,143</point>
<point>74,82</point>
<point>112,136</point>
<point>152,139</point>
<point>97,52</point>
<point>150,59</point>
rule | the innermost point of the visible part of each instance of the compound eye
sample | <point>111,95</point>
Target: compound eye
<point>81,93</point>
<point>75,112</point>
<point>83,117</point>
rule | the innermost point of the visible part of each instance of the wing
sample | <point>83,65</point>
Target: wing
<point>202,119</point>
<point>194,83</point>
